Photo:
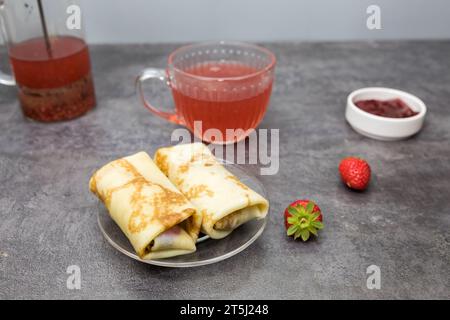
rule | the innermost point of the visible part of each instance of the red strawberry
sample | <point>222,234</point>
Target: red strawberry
<point>355,173</point>
<point>302,218</point>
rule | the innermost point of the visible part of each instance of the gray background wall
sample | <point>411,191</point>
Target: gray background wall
<point>135,21</point>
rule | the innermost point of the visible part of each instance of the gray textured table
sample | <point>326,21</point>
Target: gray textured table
<point>401,224</point>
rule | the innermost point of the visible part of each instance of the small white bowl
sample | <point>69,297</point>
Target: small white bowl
<point>384,128</point>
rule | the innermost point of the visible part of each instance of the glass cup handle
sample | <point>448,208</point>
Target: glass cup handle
<point>4,78</point>
<point>159,74</point>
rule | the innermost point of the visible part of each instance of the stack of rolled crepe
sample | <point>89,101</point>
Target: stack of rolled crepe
<point>161,208</point>
<point>224,202</point>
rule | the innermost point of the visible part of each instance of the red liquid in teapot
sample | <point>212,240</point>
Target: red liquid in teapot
<point>55,85</point>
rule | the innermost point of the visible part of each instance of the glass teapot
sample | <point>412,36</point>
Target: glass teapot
<point>49,58</point>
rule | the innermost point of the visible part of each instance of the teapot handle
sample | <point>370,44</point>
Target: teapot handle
<point>5,79</point>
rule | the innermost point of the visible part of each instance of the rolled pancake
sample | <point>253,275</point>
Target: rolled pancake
<point>224,201</point>
<point>157,219</point>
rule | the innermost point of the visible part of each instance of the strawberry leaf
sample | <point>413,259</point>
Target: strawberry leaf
<point>310,207</point>
<point>300,209</point>
<point>315,216</point>
<point>312,230</point>
<point>292,229</point>
<point>317,224</point>
<point>304,234</point>
<point>292,220</point>
<point>293,211</point>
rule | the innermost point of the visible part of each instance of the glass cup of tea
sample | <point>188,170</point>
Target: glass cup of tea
<point>221,90</point>
<point>49,58</point>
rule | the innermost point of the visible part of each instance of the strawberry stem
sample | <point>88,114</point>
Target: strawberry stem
<point>303,221</point>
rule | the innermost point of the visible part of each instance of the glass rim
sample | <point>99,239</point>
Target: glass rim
<point>270,65</point>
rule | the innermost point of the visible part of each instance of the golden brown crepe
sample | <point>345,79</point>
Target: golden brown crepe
<point>157,219</point>
<point>224,201</point>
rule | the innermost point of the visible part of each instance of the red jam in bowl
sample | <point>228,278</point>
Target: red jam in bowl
<point>394,108</point>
